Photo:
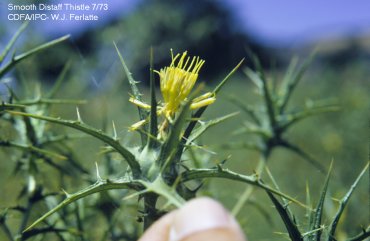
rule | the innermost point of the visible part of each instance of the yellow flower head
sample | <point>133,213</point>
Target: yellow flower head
<point>176,83</point>
<point>178,80</point>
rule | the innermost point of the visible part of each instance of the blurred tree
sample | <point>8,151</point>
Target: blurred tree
<point>204,28</point>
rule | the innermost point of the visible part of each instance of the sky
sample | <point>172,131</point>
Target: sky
<point>295,21</point>
<point>271,22</point>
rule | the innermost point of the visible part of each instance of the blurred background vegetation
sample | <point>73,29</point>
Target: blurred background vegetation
<point>207,28</point>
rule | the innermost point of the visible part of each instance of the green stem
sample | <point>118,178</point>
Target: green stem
<point>6,106</point>
<point>343,203</point>
<point>27,54</point>
<point>26,215</point>
<point>225,173</point>
<point>269,103</point>
<point>99,186</point>
<point>12,41</point>
<point>114,143</point>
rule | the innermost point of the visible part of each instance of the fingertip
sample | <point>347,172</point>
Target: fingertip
<point>160,229</point>
<point>204,219</point>
<point>219,234</point>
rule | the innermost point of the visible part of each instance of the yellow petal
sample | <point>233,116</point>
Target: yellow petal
<point>137,125</point>
<point>139,103</point>
<point>202,97</point>
<point>202,103</point>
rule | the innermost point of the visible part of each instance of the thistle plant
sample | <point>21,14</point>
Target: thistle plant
<point>156,169</point>
<point>151,176</point>
<point>269,122</point>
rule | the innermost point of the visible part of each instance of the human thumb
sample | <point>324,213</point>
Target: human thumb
<point>204,219</point>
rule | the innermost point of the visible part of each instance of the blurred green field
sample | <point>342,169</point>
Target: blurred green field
<point>340,136</point>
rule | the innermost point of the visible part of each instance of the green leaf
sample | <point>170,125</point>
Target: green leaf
<point>291,227</point>
<point>343,203</point>
<point>59,81</point>
<point>153,124</point>
<point>255,78</point>
<point>204,126</point>
<point>288,75</point>
<point>273,180</point>
<point>309,212</point>
<point>6,106</point>
<point>16,59</point>
<point>293,81</point>
<point>130,158</point>
<point>43,231</point>
<point>316,220</point>
<point>30,130</point>
<point>136,93</point>
<point>262,84</point>
<point>256,62</point>
<point>300,115</point>
<point>223,82</point>
<point>12,41</point>
<point>173,140</point>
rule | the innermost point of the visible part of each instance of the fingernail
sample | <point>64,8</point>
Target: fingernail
<point>200,215</point>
